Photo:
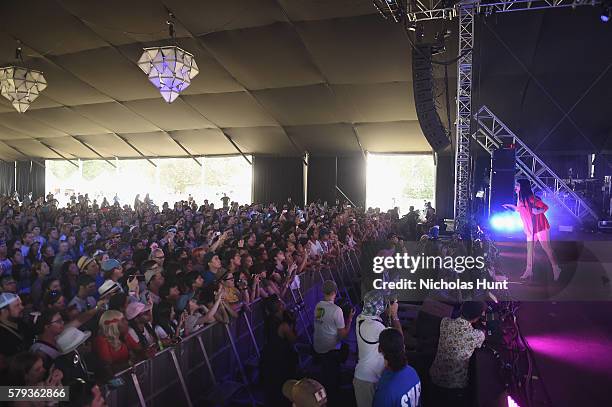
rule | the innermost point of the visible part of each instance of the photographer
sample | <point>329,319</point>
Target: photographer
<point>458,340</point>
<point>330,327</point>
<point>369,325</point>
<point>279,360</point>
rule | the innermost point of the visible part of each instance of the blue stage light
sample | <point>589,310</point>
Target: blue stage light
<point>506,222</point>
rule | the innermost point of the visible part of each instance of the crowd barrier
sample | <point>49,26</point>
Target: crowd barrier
<point>220,361</point>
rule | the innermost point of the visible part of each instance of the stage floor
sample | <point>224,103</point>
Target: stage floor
<point>586,271</point>
<point>572,344</point>
<point>567,325</point>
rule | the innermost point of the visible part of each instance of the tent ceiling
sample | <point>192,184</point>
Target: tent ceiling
<point>285,77</point>
<point>277,76</point>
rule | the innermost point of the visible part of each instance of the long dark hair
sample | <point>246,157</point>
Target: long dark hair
<point>525,192</point>
<point>162,318</point>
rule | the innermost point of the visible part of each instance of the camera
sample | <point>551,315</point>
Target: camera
<point>345,306</point>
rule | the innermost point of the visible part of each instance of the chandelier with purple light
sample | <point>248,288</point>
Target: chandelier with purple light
<point>170,69</point>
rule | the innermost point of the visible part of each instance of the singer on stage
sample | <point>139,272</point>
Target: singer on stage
<point>535,225</point>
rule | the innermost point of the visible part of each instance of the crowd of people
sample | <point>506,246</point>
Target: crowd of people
<point>87,291</point>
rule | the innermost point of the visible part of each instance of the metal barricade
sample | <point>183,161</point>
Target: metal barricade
<point>190,372</point>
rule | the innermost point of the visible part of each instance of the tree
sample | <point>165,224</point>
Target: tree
<point>179,174</point>
<point>62,170</point>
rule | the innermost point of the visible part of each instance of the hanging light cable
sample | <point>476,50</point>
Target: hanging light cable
<point>170,68</point>
<point>21,86</point>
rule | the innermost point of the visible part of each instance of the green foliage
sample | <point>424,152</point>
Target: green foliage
<point>94,168</point>
<point>421,173</point>
<point>179,174</point>
<point>61,169</point>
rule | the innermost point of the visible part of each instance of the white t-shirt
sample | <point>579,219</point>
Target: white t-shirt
<point>371,362</point>
<point>328,319</point>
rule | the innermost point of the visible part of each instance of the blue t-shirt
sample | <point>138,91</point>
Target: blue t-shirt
<point>209,277</point>
<point>398,389</point>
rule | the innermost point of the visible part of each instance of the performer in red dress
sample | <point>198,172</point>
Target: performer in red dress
<point>535,225</point>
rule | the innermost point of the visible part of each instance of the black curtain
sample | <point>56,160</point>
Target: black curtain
<point>7,177</point>
<point>277,178</point>
<point>37,181</point>
<point>322,179</point>
<point>347,172</point>
<point>22,180</point>
<point>352,178</point>
<point>30,178</point>
<point>445,187</point>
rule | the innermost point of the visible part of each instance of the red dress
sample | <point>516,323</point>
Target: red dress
<point>529,219</point>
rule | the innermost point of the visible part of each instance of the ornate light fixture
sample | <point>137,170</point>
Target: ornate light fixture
<point>170,69</point>
<point>21,86</point>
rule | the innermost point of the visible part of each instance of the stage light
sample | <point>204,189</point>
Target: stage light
<point>506,222</point>
<point>512,403</point>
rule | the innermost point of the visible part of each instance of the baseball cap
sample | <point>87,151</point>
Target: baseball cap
<point>135,308</point>
<point>329,287</point>
<point>472,309</point>
<point>149,274</point>
<point>7,299</point>
<point>305,393</point>
<point>110,264</point>
<point>181,303</point>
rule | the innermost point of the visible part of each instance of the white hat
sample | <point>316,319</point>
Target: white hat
<point>7,299</point>
<point>108,287</point>
<point>70,339</point>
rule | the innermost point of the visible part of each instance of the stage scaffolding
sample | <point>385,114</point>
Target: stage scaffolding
<point>465,10</point>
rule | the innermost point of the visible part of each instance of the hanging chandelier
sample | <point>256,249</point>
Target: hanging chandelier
<point>170,69</point>
<point>21,86</point>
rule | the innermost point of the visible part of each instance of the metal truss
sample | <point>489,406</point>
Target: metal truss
<point>419,10</point>
<point>464,117</point>
<point>492,133</point>
<point>422,10</point>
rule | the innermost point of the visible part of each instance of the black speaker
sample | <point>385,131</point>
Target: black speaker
<point>503,163</point>
<point>424,99</point>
